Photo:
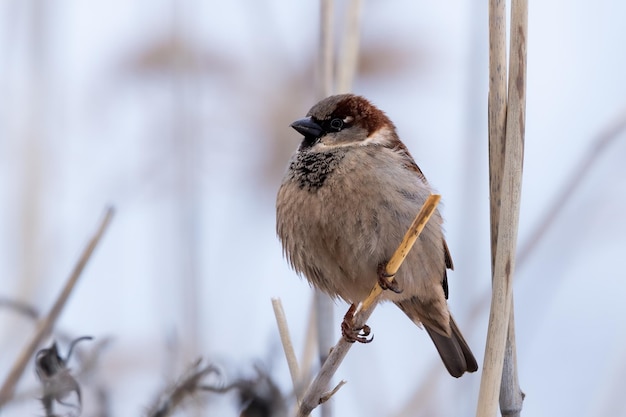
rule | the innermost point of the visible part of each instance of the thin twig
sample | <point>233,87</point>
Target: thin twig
<point>19,307</point>
<point>315,393</point>
<point>192,381</point>
<point>45,326</point>
<point>332,392</point>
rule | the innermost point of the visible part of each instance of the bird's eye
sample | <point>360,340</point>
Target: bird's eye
<point>336,124</point>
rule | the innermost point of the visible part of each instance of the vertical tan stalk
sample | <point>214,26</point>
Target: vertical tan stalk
<point>506,154</point>
<point>285,338</point>
<point>349,56</point>
<point>326,63</point>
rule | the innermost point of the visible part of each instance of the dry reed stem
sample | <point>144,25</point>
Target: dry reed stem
<point>290,353</point>
<point>510,396</point>
<point>46,324</point>
<point>310,344</point>
<point>496,112</point>
<point>506,159</point>
<point>326,48</point>
<point>315,393</point>
<point>349,56</point>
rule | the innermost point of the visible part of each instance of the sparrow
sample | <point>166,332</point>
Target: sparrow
<point>349,195</point>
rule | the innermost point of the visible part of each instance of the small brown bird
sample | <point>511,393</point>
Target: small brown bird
<point>349,195</point>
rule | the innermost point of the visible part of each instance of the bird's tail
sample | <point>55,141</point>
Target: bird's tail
<point>454,351</point>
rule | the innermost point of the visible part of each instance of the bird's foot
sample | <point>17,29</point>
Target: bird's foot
<point>354,334</point>
<point>384,282</point>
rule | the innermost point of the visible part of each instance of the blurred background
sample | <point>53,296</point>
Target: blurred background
<point>177,114</point>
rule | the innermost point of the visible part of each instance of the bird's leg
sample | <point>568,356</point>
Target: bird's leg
<point>383,279</point>
<point>354,334</point>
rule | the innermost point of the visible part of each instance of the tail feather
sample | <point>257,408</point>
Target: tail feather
<point>454,351</point>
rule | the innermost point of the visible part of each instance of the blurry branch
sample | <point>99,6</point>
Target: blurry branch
<point>192,382</point>
<point>310,343</point>
<point>349,56</point>
<point>259,397</point>
<point>32,313</point>
<point>46,325</point>
<point>506,154</point>
<point>316,392</point>
<point>325,85</point>
<point>19,307</point>
<point>324,309</point>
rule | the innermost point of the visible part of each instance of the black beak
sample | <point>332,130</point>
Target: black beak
<point>308,128</point>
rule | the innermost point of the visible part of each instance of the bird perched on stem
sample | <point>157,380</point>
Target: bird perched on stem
<point>349,195</point>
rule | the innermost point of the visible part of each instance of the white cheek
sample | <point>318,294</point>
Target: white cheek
<point>381,137</point>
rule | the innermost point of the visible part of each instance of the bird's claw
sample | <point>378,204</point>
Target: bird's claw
<point>384,282</point>
<point>355,334</point>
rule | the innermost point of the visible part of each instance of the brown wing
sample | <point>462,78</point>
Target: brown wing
<point>399,147</point>
<point>447,256</point>
<point>449,265</point>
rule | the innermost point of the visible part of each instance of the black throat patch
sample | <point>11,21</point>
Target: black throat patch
<point>311,169</point>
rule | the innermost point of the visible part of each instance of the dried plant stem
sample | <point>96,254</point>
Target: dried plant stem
<point>324,308</point>
<point>45,326</point>
<point>326,48</point>
<point>189,384</point>
<point>349,56</point>
<point>506,155</point>
<point>511,396</point>
<point>315,393</point>
<point>496,112</point>
<point>310,344</point>
<point>290,353</point>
